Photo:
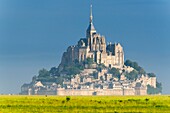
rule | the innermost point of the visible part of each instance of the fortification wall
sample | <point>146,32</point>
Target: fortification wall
<point>115,91</point>
<point>129,91</point>
<point>75,92</point>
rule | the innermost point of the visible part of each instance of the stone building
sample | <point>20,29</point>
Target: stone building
<point>94,46</point>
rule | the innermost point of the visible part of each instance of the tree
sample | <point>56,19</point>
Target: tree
<point>54,71</point>
<point>128,63</point>
<point>115,72</point>
<point>71,70</point>
<point>152,90</point>
<point>151,75</point>
<point>133,75</point>
<point>141,70</point>
<point>135,66</point>
<point>60,80</point>
<point>44,76</point>
<point>79,66</point>
<point>43,73</point>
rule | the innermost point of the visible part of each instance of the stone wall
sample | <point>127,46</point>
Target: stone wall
<point>115,91</point>
<point>64,92</point>
<point>141,91</point>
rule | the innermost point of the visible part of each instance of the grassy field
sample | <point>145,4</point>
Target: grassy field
<point>79,104</point>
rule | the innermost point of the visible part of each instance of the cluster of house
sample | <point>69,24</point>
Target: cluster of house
<point>92,82</point>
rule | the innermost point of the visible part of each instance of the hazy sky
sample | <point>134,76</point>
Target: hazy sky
<point>35,33</point>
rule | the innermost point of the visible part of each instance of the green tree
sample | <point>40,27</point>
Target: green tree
<point>44,76</point>
<point>60,80</point>
<point>133,75</point>
<point>54,71</point>
<point>71,70</point>
<point>79,66</point>
<point>135,66</point>
<point>115,72</point>
<point>43,73</point>
<point>151,75</point>
<point>141,70</point>
<point>152,90</point>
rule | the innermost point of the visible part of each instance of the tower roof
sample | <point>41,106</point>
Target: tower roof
<point>91,28</point>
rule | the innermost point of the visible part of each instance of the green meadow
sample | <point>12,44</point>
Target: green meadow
<point>84,104</point>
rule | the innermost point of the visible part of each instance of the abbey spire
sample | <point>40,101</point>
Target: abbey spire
<point>91,15</point>
<point>90,30</point>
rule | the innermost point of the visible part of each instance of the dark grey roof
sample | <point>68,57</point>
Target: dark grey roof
<point>91,27</point>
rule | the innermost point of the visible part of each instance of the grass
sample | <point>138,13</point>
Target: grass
<point>84,104</point>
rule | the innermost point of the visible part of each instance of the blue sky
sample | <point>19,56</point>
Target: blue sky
<point>35,33</point>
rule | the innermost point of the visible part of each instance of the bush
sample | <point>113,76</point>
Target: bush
<point>135,66</point>
<point>68,98</point>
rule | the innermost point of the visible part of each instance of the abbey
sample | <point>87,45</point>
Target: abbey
<point>93,67</point>
<point>94,46</point>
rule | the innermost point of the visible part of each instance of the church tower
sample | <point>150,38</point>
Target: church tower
<point>90,30</point>
<point>95,41</point>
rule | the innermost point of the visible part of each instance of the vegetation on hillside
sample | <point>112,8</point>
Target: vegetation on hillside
<point>100,67</point>
<point>53,75</point>
<point>89,61</point>
<point>138,71</point>
<point>45,76</point>
<point>152,90</point>
<point>135,65</point>
<point>115,72</point>
<point>151,75</point>
<point>133,75</point>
